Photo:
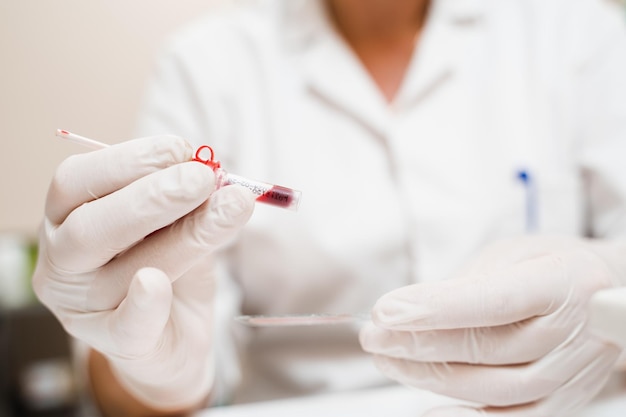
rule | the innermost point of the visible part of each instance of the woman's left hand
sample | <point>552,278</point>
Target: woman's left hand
<point>509,333</point>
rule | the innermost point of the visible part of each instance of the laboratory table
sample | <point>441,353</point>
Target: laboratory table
<point>396,401</point>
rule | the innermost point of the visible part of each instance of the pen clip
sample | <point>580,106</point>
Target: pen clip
<point>528,182</point>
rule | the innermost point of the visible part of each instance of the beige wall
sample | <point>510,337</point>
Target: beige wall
<point>79,65</point>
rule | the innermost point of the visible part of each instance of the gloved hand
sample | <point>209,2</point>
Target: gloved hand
<point>122,228</point>
<point>607,315</point>
<point>508,335</point>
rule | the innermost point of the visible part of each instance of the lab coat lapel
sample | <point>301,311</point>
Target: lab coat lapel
<point>328,66</point>
<point>440,48</point>
<point>333,72</point>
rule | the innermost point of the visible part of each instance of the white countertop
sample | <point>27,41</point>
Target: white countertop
<point>394,401</point>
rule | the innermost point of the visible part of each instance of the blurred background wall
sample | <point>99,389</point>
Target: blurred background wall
<point>77,65</point>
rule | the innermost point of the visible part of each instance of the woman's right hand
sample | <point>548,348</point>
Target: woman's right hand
<point>126,230</point>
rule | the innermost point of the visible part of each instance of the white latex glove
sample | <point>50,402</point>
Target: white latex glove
<point>123,226</point>
<point>508,334</point>
<point>607,315</point>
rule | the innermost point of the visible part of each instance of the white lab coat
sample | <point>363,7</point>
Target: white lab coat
<point>392,193</point>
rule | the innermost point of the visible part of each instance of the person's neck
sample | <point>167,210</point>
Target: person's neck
<point>382,33</point>
<point>380,20</point>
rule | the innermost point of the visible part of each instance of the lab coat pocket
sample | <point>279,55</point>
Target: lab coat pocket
<point>535,202</point>
<point>547,202</point>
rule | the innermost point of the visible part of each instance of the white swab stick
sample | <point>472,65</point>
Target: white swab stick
<point>81,140</point>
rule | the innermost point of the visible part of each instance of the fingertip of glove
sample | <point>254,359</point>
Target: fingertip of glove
<point>232,204</point>
<point>394,311</point>
<point>149,286</point>
<point>179,148</point>
<point>167,150</point>
<point>387,312</point>
<point>193,181</point>
<point>367,336</point>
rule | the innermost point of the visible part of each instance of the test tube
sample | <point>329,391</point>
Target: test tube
<point>275,195</point>
<point>267,193</point>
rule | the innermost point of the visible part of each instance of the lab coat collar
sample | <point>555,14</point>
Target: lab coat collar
<point>329,67</point>
<point>335,73</point>
<point>305,20</point>
<point>302,21</point>
<point>461,11</point>
<point>440,49</point>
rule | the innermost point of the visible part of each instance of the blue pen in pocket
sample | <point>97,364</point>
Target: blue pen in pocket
<point>530,195</point>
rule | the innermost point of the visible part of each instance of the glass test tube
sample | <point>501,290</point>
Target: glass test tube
<point>267,193</point>
<point>275,195</point>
